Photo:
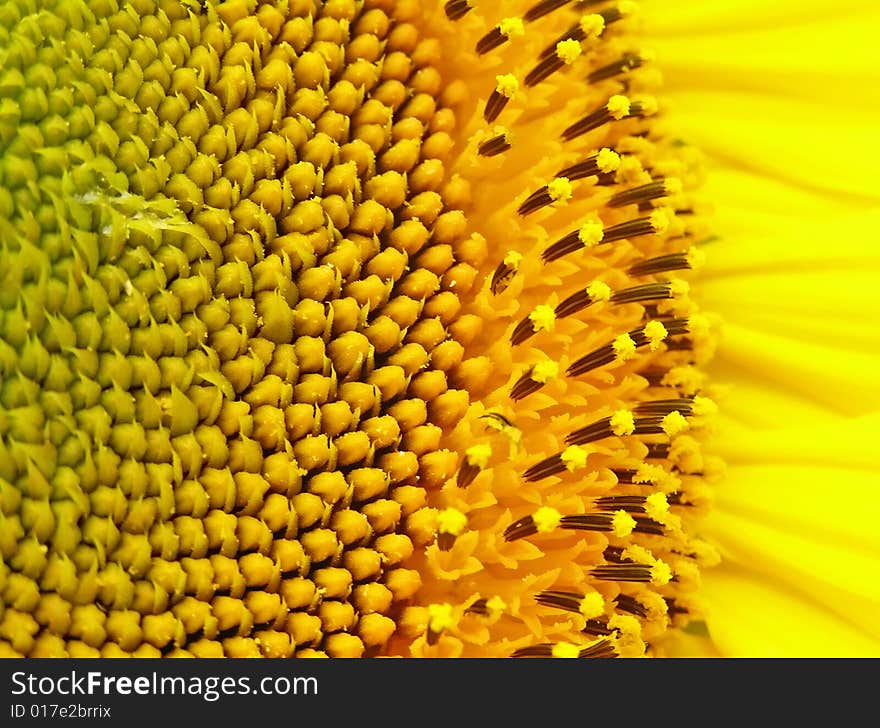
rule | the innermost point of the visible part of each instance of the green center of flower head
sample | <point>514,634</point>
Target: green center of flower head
<point>301,354</point>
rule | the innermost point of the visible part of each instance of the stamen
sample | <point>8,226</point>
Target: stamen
<point>450,524</point>
<point>542,318</point>
<point>608,353</point>
<point>630,605</point>
<point>534,379</point>
<point>605,161</point>
<point>559,190</point>
<point>590,605</point>
<point>594,293</point>
<point>655,224</point>
<point>602,428</point>
<point>505,272</point>
<point>602,649</point>
<point>651,191</point>
<point>476,458</point>
<point>627,63</point>
<point>660,264</point>
<point>457,9</point>
<point>506,87</point>
<point>507,29</point>
<point>616,109</point>
<point>544,8</point>
<point>496,145</point>
<point>565,53</point>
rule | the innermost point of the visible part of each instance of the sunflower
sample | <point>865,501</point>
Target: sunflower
<point>363,327</point>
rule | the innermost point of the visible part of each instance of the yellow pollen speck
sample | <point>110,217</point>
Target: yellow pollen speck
<point>592,25</point>
<point>631,169</point>
<point>624,347</point>
<point>656,506</point>
<point>496,605</point>
<point>591,233</point>
<point>546,519</point>
<point>639,554</point>
<point>451,521</point>
<point>627,7</point>
<point>673,186</point>
<point>656,333</point>
<point>661,574</point>
<point>512,28</point>
<point>592,605</point>
<point>696,258</point>
<point>623,423</point>
<point>679,288</point>
<point>513,259</point>
<point>648,105</point>
<point>543,318</point>
<point>627,624</point>
<point>661,219</point>
<point>574,457</point>
<point>674,423</point>
<point>687,379</point>
<point>654,604</point>
<point>685,453</point>
<point>545,370</point>
<point>440,617</point>
<point>698,326</point>
<point>568,51</point>
<point>618,106</point>
<point>478,455</point>
<point>599,291</point>
<point>560,190</point>
<point>622,524</point>
<point>607,160</point>
<point>507,85</point>
<point>566,650</point>
<point>704,407</point>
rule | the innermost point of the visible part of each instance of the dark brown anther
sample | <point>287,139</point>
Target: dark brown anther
<point>535,201</point>
<point>525,526</point>
<point>658,451</point>
<point>544,8</point>
<point>644,193</point>
<point>589,167</point>
<point>494,106</point>
<point>504,273</point>
<point>545,468</point>
<point>628,503</point>
<point>602,649</point>
<point>466,474</point>
<point>524,386</point>
<point>562,247</point>
<point>524,330</point>
<point>629,62</point>
<point>660,264</point>
<point>457,9</point>
<point>445,541</point>
<point>635,573</point>
<point>630,605</point>
<point>640,294</point>
<point>565,600</point>
<point>662,407</point>
<point>573,304</point>
<point>546,68</point>
<point>490,41</point>
<point>479,607</point>
<point>496,145</point>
